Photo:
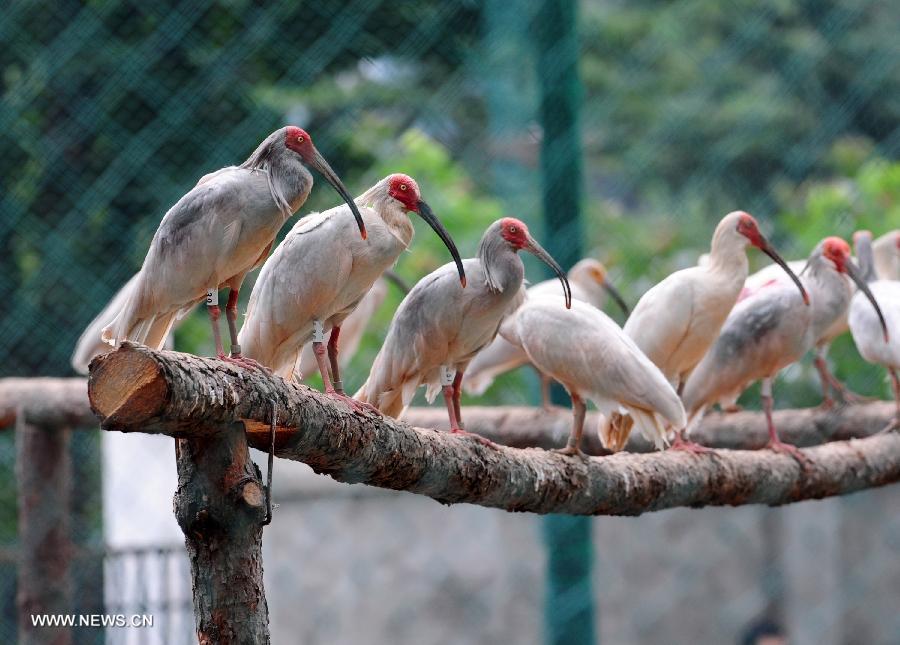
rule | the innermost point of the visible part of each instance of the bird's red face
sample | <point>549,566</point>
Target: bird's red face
<point>298,140</point>
<point>405,190</point>
<point>515,232</point>
<point>897,240</point>
<point>748,227</point>
<point>838,251</point>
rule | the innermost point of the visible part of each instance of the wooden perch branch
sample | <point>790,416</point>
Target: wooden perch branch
<point>136,389</point>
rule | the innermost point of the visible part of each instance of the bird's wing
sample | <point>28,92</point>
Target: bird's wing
<point>761,335</point>
<point>584,347</point>
<point>662,318</point>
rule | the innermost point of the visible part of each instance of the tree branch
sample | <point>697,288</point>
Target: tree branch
<point>137,389</point>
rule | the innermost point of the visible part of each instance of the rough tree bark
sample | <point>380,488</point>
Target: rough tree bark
<point>136,389</point>
<point>43,477</point>
<point>220,506</point>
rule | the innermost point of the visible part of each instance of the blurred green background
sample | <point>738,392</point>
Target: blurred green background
<point>689,109</point>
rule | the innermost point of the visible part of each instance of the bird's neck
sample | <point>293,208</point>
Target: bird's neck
<point>728,255</point>
<point>829,293</point>
<point>288,179</point>
<point>391,212</point>
<point>502,266</point>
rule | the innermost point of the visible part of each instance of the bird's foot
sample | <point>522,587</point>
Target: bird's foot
<point>790,449</point>
<point>356,405</point>
<point>475,437</point>
<point>243,361</point>
<point>732,408</point>
<point>827,403</point>
<point>571,451</point>
<point>689,446</point>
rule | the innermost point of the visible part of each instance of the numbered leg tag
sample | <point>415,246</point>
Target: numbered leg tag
<point>318,331</point>
<point>447,375</point>
<point>212,297</point>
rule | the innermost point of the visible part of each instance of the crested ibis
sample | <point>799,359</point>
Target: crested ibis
<point>590,283</point>
<point>321,271</point>
<point>439,327</point>
<point>216,234</point>
<point>677,320</point>
<point>772,329</point>
<point>865,325</point>
<point>595,360</point>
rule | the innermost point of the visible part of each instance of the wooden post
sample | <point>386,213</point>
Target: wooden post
<point>220,506</point>
<point>43,477</point>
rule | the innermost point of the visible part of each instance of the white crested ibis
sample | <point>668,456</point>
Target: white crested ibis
<point>772,329</point>
<point>216,234</point>
<point>321,271</point>
<point>354,325</point>
<point>590,283</point>
<point>677,320</point>
<point>439,327</point>
<point>595,360</point>
<point>865,325</point>
<point>886,250</point>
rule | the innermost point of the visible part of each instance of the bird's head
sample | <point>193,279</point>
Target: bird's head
<point>298,141</point>
<point>749,228</point>
<point>838,251</point>
<point>404,190</point>
<point>862,237</point>
<point>516,234</point>
<point>897,240</point>
<point>595,271</point>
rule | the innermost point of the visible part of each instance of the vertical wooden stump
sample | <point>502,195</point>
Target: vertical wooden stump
<point>43,478</point>
<point>220,504</point>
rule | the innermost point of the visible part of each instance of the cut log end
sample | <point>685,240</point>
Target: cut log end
<point>126,380</point>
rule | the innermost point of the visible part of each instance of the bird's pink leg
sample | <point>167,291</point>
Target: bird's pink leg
<point>454,392</point>
<point>776,444</point>
<point>333,359</point>
<point>830,381</point>
<point>573,447</point>
<point>320,351</point>
<point>214,314</point>
<point>895,383</point>
<point>231,314</point>
<point>546,403</point>
<point>825,378</point>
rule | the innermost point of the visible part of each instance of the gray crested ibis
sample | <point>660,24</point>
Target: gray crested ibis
<point>216,234</point>
<point>772,329</point>
<point>439,327</point>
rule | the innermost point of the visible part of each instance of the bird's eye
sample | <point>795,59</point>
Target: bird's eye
<point>513,229</point>
<point>402,186</point>
<point>300,139</point>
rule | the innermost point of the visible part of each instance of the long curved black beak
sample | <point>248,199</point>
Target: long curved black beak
<point>855,275</point>
<point>615,295</point>
<point>318,162</point>
<point>425,212</point>
<point>767,248</point>
<point>538,251</point>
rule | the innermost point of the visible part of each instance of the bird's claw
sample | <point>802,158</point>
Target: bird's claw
<point>791,450</point>
<point>890,427</point>
<point>475,437</point>
<point>852,398</point>
<point>571,451</point>
<point>691,447</point>
<point>732,408</point>
<point>356,405</point>
<point>827,403</point>
<point>243,361</point>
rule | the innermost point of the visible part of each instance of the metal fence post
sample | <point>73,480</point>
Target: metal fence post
<point>569,598</point>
